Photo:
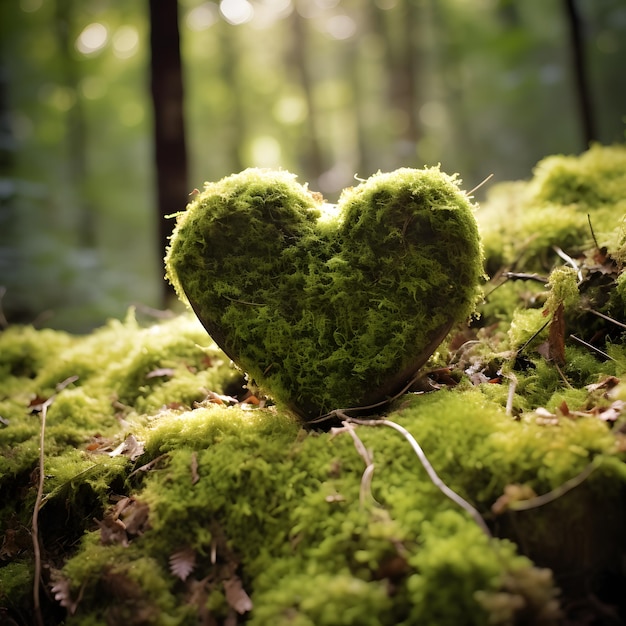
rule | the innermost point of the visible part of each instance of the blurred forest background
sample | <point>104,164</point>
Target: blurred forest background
<point>328,89</point>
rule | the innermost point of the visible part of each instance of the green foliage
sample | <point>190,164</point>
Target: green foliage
<point>166,502</point>
<point>520,224</point>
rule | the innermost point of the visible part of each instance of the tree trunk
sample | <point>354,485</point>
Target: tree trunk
<point>169,127</point>
<point>581,80</point>
<point>76,135</point>
<point>313,162</point>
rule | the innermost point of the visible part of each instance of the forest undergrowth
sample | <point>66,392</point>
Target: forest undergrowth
<point>143,481</point>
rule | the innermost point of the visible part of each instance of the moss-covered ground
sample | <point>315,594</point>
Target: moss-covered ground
<point>165,492</point>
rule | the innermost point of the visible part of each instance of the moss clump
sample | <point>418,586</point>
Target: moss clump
<point>334,311</point>
<point>164,505</point>
<point>521,222</point>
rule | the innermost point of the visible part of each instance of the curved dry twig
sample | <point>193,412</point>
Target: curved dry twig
<point>430,470</point>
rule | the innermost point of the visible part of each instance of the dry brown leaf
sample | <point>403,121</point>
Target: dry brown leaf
<point>135,517</point>
<point>236,596</point>
<point>556,337</point>
<point>606,383</point>
<point>512,493</point>
<point>60,588</point>
<point>130,447</point>
<point>112,531</point>
<point>183,562</point>
<point>611,413</point>
<point>161,371</point>
<point>126,520</point>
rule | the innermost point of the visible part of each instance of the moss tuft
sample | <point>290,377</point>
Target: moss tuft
<point>333,313</point>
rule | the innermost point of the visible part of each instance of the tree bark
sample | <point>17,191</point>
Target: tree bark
<point>579,67</point>
<point>169,128</point>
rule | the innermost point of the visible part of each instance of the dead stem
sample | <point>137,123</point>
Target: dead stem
<point>457,499</point>
<point>593,235</point>
<point>606,317</point>
<point>511,395</point>
<point>365,454</point>
<point>551,496</point>
<point>35,521</point>
<point>562,375</point>
<point>471,191</point>
<point>571,262</point>
<point>582,342</point>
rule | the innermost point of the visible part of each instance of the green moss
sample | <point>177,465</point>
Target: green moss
<point>331,314</point>
<point>563,285</point>
<point>521,223</point>
<point>16,583</point>
<point>286,514</point>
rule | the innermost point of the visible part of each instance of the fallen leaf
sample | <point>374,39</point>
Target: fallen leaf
<point>606,383</point>
<point>236,596</point>
<point>112,531</point>
<point>556,337</point>
<point>135,517</point>
<point>124,521</point>
<point>512,493</point>
<point>161,371</point>
<point>183,562</point>
<point>130,447</point>
<point>60,588</point>
<point>611,413</point>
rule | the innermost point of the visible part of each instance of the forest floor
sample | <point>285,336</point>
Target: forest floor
<point>141,482</point>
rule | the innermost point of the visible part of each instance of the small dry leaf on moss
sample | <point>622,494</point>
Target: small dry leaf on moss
<point>159,372</point>
<point>512,493</point>
<point>60,588</point>
<point>126,520</point>
<point>183,562</point>
<point>236,595</point>
<point>606,414</point>
<point>130,447</point>
<point>606,383</point>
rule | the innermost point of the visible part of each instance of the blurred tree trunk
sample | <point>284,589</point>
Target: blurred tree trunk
<point>579,67</point>
<point>76,128</point>
<point>236,120</point>
<point>313,165</point>
<point>398,32</point>
<point>169,127</point>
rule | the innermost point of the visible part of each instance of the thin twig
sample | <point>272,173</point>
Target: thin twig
<point>365,454</point>
<point>551,496</point>
<point>533,336</point>
<point>35,522</point>
<point>432,474</point>
<point>562,375</point>
<point>341,413</point>
<point>582,342</point>
<point>606,317</point>
<point>593,235</point>
<point>511,395</point>
<point>243,301</point>
<point>568,259</point>
<point>471,191</point>
<point>525,276</point>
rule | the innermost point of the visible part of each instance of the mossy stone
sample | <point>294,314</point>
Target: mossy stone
<point>328,307</point>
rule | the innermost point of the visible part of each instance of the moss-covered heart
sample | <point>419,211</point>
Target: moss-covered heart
<point>325,306</point>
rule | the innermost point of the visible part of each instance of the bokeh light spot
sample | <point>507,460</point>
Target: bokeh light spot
<point>92,38</point>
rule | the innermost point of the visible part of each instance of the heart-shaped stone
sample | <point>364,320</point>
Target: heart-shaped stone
<point>325,306</point>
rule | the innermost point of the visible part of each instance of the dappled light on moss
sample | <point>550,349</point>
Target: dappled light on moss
<point>172,494</point>
<point>336,314</point>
